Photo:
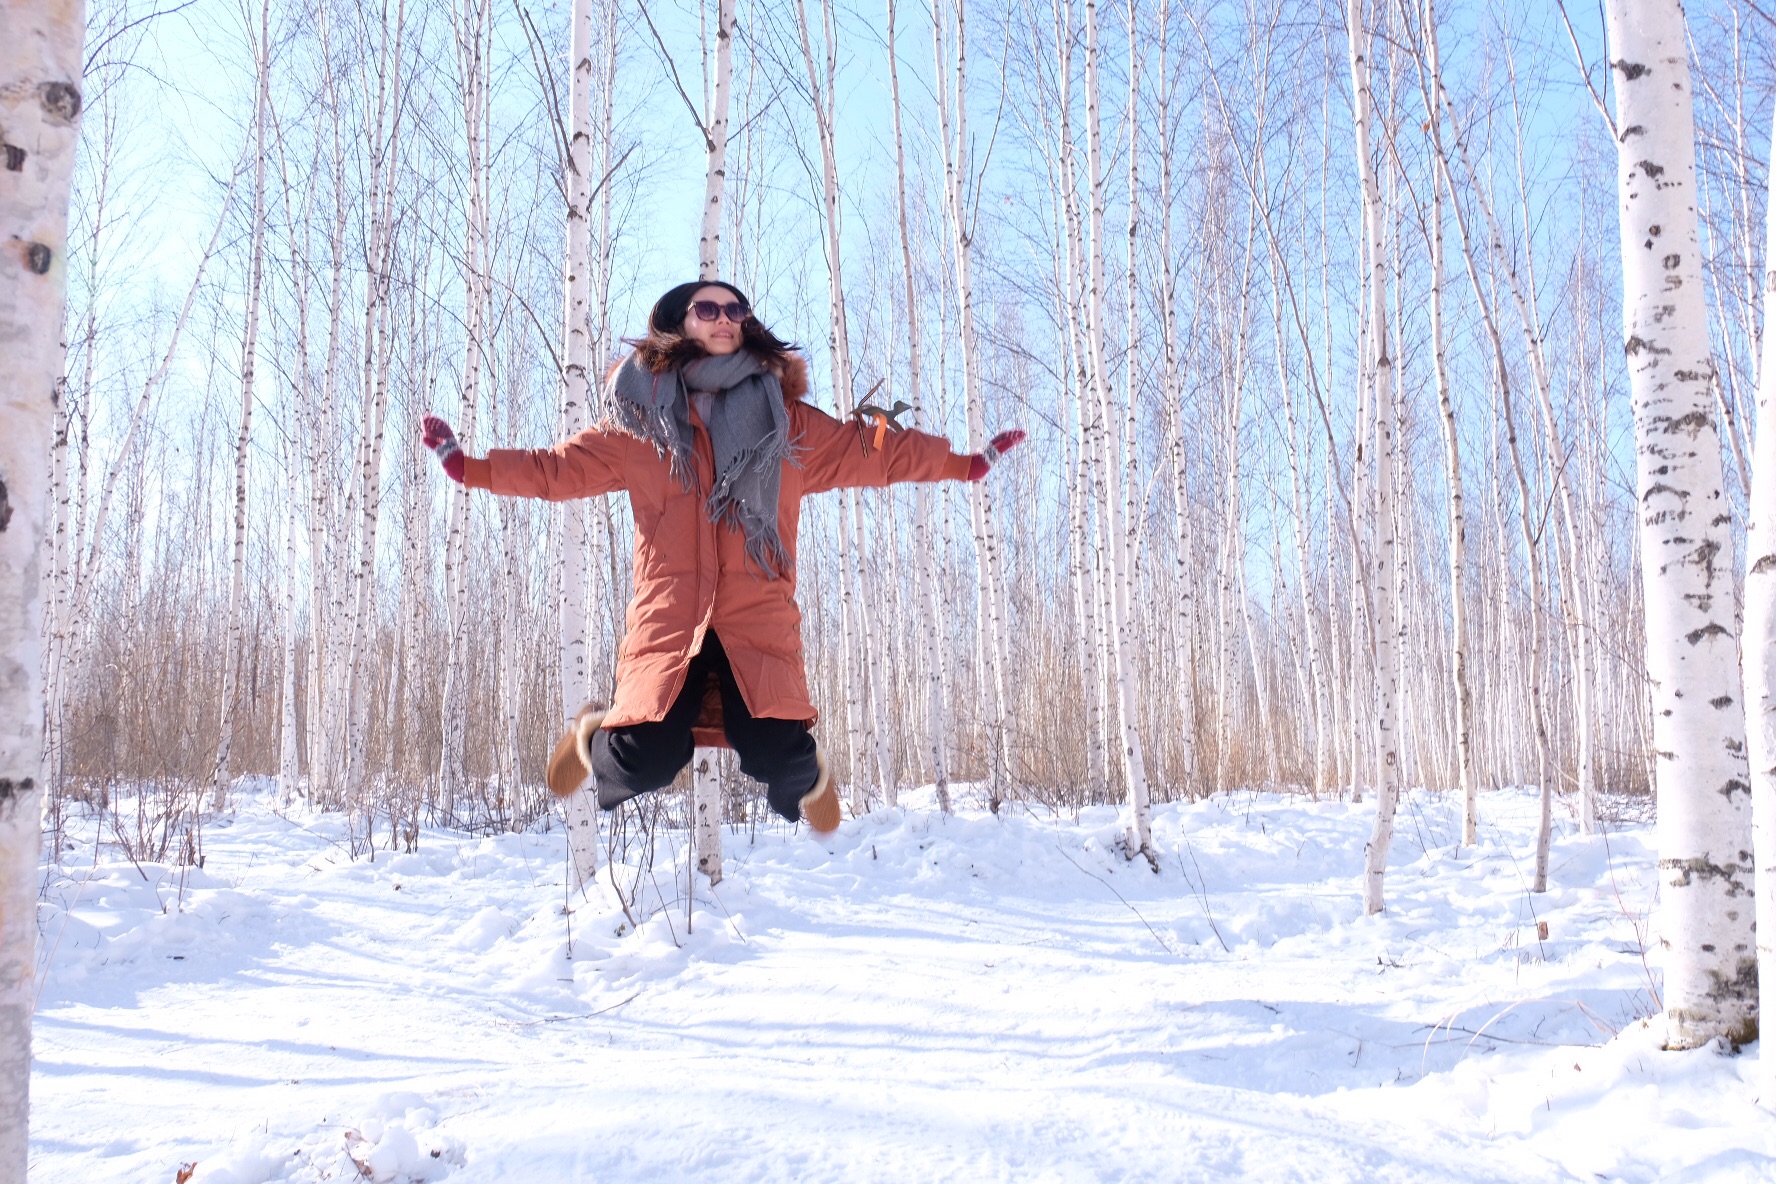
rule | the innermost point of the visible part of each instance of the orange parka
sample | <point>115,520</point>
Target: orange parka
<point>692,576</point>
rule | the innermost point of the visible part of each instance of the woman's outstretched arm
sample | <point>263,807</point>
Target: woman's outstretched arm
<point>835,455</point>
<point>584,465</point>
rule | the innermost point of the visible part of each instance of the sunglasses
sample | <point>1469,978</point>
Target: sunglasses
<point>709,310</point>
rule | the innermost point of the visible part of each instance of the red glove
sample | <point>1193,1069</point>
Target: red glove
<point>441,440</point>
<point>981,463</point>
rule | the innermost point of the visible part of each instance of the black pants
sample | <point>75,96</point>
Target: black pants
<point>643,757</point>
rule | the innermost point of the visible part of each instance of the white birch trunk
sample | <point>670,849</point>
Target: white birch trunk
<point>289,753</point>
<point>1140,837</point>
<point>1686,541</point>
<point>706,804</point>
<point>824,95</point>
<point>924,543</point>
<point>576,405</point>
<point>385,143</point>
<point>957,158</point>
<point>472,32</point>
<point>1382,587</point>
<point>40,100</point>
<point>715,126</point>
<point>1759,651</point>
<point>705,781</point>
<point>850,664</point>
<point>237,578</point>
<point>1458,536</point>
<point>871,640</point>
<point>1088,642</point>
<point>1183,578</point>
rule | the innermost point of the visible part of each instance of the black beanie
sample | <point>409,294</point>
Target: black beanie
<point>669,310</point>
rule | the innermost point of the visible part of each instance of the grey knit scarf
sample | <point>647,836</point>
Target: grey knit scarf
<point>748,429</point>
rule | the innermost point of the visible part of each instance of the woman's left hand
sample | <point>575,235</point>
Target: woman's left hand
<point>981,463</point>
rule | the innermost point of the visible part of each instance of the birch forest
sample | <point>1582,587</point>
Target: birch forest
<point>1314,311</point>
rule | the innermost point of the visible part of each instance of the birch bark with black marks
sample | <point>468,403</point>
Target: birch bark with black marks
<point>1759,651</point>
<point>237,573</point>
<point>1140,836</point>
<point>40,102</point>
<point>1183,577</point>
<point>822,88</point>
<point>1381,585</point>
<point>1686,542</point>
<point>1088,645</point>
<point>715,123</point>
<point>473,30</point>
<point>924,545</point>
<point>578,365</point>
<point>1431,64</point>
<point>384,139</point>
<point>958,162</point>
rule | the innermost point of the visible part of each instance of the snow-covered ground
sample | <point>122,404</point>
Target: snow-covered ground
<point>918,998</point>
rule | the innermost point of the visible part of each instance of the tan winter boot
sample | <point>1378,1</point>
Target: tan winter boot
<point>571,762</point>
<point>820,805</point>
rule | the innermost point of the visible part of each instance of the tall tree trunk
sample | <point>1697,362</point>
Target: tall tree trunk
<point>237,577</point>
<point>952,115</point>
<point>1759,651</point>
<point>1089,650</point>
<point>40,100</point>
<point>1382,585</point>
<point>1140,836</point>
<point>384,136</point>
<point>1183,577</point>
<point>576,406</point>
<point>1458,529</point>
<point>1686,541</point>
<point>715,125</point>
<point>289,753</point>
<point>822,84</point>
<point>924,544</point>
<point>473,25</point>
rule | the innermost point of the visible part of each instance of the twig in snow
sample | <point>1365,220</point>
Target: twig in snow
<point>729,916</point>
<point>1483,1034</point>
<point>1202,893</point>
<point>1636,920</point>
<point>1119,896</point>
<point>557,1019</point>
<point>665,909</point>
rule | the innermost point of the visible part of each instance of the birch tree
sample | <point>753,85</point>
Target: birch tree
<point>473,31</point>
<point>716,139</point>
<point>1686,542</point>
<point>1431,64</point>
<point>923,543</point>
<point>706,796</point>
<point>1382,586</point>
<point>40,101</point>
<point>576,404</point>
<point>1113,515</point>
<point>1760,651</point>
<point>237,576</point>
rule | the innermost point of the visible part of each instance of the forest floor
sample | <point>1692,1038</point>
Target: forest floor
<point>962,998</point>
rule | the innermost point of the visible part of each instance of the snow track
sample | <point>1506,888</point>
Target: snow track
<point>920,997</point>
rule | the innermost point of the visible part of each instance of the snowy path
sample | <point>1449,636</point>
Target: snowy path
<point>918,998</point>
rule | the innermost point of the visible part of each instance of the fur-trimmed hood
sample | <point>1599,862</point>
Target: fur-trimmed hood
<point>792,373</point>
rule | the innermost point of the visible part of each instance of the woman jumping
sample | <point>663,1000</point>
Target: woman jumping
<point>705,428</point>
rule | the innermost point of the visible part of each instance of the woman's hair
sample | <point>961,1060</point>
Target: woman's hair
<point>666,346</point>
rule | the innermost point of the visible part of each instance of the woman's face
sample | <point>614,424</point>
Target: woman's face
<point>720,336</point>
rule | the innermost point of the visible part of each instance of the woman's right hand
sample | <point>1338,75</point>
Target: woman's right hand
<point>437,436</point>
<point>981,463</point>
